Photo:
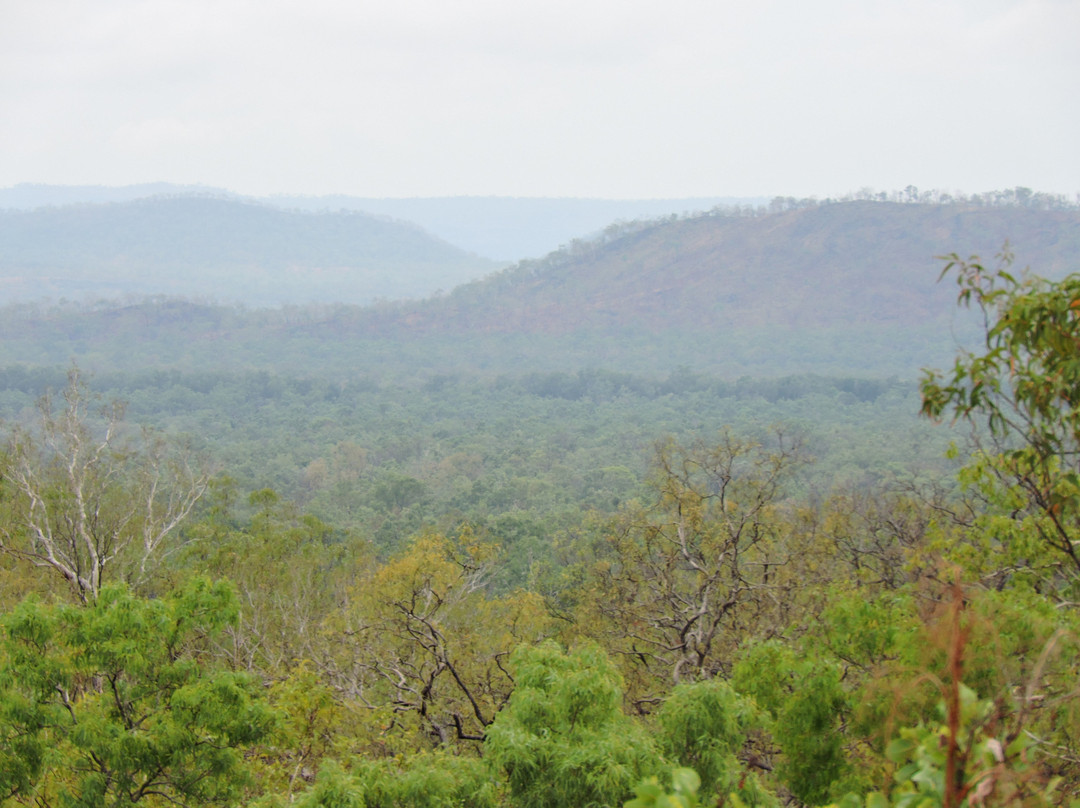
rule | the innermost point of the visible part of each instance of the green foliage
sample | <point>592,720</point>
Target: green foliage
<point>387,628</point>
<point>397,491</point>
<point>562,738</point>
<point>683,794</point>
<point>518,466</point>
<point>703,725</point>
<point>967,757</point>
<point>116,702</point>
<point>1024,388</point>
<point>806,701</point>
<point>765,673</point>
<point>865,631</point>
<point>1026,381</point>
<point>807,729</point>
<point>334,788</point>
<point>428,780</point>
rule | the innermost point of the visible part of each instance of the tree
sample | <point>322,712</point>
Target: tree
<point>117,703</point>
<point>1021,391</point>
<point>703,727</point>
<point>873,535</point>
<point>806,700</point>
<point>287,568</point>
<point>88,503</point>
<point>994,751</point>
<point>671,588</point>
<point>563,738</point>
<point>422,639</point>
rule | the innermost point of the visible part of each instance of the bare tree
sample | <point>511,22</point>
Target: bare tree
<point>87,502</point>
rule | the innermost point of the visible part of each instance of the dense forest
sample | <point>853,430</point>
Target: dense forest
<point>407,555</point>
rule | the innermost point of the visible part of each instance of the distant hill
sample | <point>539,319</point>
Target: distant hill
<point>846,286</point>
<point>839,288</point>
<point>30,195</point>
<point>503,229</point>
<point>511,228</point>
<point>819,266</point>
<point>222,249</point>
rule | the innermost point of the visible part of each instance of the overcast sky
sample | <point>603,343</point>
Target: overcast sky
<point>597,98</point>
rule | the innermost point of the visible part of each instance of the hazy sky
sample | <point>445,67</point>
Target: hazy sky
<point>604,98</point>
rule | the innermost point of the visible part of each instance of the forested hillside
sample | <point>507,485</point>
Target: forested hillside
<point>727,632</point>
<point>839,288</point>
<point>862,263</point>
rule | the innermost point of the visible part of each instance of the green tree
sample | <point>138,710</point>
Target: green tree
<point>804,696</point>
<point>683,794</point>
<point>563,739</point>
<point>118,703</point>
<point>703,727</point>
<point>972,752</point>
<point>1021,390</point>
<point>425,780</point>
<point>334,788</point>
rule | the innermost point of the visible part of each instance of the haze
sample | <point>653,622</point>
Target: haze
<point>610,99</point>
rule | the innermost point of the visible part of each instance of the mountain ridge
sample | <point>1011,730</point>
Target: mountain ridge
<point>811,266</point>
<point>846,287</point>
<point>231,249</point>
<point>502,229</point>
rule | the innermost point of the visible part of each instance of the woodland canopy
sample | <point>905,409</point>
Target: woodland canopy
<point>731,622</point>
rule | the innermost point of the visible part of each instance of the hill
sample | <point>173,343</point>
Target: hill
<point>511,228</point>
<point>855,263</point>
<point>503,229</point>
<point>841,288</point>
<point>223,249</point>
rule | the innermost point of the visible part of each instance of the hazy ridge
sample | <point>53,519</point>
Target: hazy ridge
<point>847,287</point>
<point>499,228</point>
<point>222,249</point>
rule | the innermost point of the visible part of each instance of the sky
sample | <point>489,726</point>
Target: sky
<point>618,99</point>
